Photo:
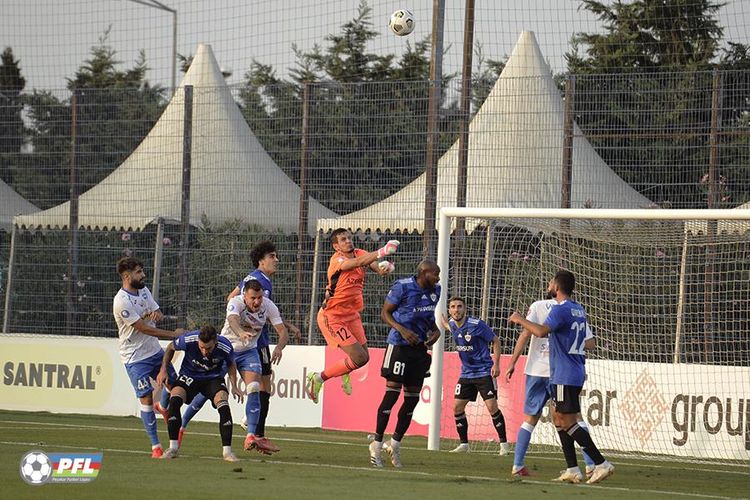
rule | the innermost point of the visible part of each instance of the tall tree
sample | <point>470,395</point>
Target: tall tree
<point>12,130</point>
<point>643,94</point>
<point>116,109</point>
<point>367,115</point>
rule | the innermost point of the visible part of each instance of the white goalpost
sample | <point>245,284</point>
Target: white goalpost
<point>667,294</point>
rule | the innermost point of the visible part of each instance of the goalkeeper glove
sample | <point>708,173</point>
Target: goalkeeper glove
<point>388,248</point>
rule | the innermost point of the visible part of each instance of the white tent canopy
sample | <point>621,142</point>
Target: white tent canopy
<point>232,176</point>
<point>515,156</point>
<point>12,204</point>
<point>723,226</point>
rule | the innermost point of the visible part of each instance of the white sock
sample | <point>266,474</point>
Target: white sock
<point>174,444</point>
<point>226,450</point>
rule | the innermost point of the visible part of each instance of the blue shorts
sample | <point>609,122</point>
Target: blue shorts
<point>248,361</point>
<point>141,372</point>
<point>537,395</point>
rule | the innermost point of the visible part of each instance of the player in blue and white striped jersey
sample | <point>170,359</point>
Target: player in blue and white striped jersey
<point>479,371</point>
<point>567,327</point>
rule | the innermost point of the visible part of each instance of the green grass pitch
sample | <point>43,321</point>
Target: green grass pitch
<point>322,464</point>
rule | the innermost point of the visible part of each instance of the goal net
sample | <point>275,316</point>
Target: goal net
<point>666,293</point>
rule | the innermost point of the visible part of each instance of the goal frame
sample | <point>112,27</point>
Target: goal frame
<point>446,214</point>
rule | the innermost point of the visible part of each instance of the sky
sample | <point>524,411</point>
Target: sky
<point>52,38</point>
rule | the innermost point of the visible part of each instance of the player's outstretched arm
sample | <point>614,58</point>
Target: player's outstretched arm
<point>161,378</point>
<point>370,257</point>
<point>283,340</point>
<point>235,292</point>
<point>536,329</point>
<point>147,329</point>
<point>520,346</point>
<point>236,392</point>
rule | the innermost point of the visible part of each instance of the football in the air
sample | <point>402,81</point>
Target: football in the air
<point>402,22</point>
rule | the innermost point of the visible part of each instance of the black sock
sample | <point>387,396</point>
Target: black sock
<point>498,420</point>
<point>225,423</point>
<point>411,400</point>
<point>583,438</point>
<point>384,411</point>
<point>174,421</point>
<point>260,429</point>
<point>568,448</point>
<point>462,427</point>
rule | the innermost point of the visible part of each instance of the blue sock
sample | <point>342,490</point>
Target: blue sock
<point>586,458</point>
<point>164,400</point>
<point>149,422</point>
<point>522,443</point>
<point>194,407</point>
<point>252,411</point>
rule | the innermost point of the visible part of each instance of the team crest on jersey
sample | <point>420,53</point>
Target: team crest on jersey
<point>126,314</point>
<point>467,337</point>
<point>231,307</point>
<point>433,297</point>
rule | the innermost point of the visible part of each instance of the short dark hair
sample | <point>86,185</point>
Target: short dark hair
<point>126,264</point>
<point>566,281</point>
<point>260,250</point>
<point>251,284</point>
<point>207,334</point>
<point>336,232</point>
<point>456,298</point>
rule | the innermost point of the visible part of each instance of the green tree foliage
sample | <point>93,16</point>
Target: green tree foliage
<point>643,96</point>
<point>367,115</point>
<point>115,110</point>
<point>12,129</point>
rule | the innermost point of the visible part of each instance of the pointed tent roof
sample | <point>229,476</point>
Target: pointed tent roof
<point>515,156</point>
<point>232,176</point>
<point>12,204</point>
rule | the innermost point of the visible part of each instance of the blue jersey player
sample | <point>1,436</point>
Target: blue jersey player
<point>479,371</point>
<point>566,327</point>
<point>409,310</point>
<point>207,360</point>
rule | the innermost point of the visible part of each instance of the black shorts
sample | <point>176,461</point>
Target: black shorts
<point>468,388</point>
<point>566,398</point>
<point>265,360</point>
<point>209,387</point>
<point>405,364</point>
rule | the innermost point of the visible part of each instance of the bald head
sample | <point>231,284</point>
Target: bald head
<point>428,274</point>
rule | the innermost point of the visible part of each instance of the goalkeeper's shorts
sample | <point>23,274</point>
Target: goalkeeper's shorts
<point>341,330</point>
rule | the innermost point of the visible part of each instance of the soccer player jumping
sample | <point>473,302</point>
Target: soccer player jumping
<point>338,317</point>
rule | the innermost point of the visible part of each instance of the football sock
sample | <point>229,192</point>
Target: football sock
<point>462,427</point>
<point>499,422</point>
<point>384,411</point>
<point>225,423</point>
<point>586,458</point>
<point>583,438</point>
<point>175,419</point>
<point>260,429</point>
<point>339,368</point>
<point>522,443</point>
<point>149,422</point>
<point>411,399</point>
<point>568,448</point>
<point>164,400</point>
<point>252,411</point>
<point>194,407</point>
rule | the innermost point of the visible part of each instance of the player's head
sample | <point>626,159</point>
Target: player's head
<point>253,295</point>
<point>428,274</point>
<point>562,284</point>
<point>131,271</point>
<point>264,257</point>
<point>207,339</point>
<point>457,308</point>
<point>341,240</point>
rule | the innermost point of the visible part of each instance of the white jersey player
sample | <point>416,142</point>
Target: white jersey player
<point>136,314</point>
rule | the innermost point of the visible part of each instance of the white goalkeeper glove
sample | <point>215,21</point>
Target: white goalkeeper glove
<point>388,249</point>
<point>386,267</point>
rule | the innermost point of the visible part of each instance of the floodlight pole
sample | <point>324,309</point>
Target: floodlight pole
<point>158,5</point>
